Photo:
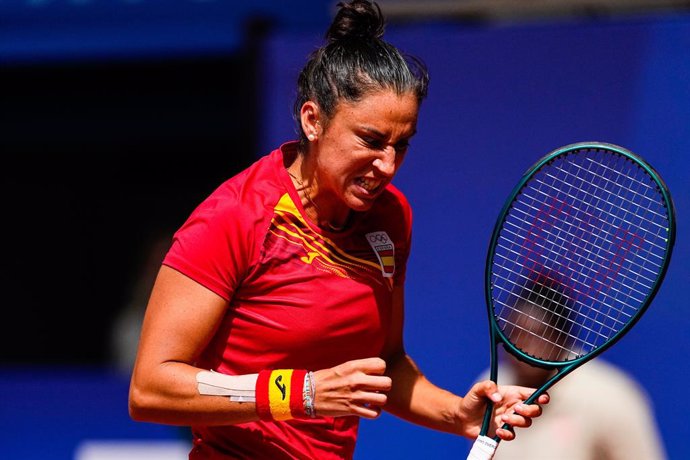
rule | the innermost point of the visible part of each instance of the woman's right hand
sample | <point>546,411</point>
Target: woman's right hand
<point>355,387</point>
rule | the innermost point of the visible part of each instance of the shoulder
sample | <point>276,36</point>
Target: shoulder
<point>221,238</point>
<point>252,189</point>
<point>393,201</point>
<point>391,211</point>
<point>238,207</point>
<point>393,193</point>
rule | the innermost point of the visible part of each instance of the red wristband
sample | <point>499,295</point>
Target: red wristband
<point>296,393</point>
<point>263,407</point>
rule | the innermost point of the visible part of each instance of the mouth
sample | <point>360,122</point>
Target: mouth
<point>371,186</point>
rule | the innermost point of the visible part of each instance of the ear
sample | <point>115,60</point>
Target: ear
<point>310,115</point>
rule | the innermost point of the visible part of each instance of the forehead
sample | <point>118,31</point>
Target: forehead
<point>383,106</point>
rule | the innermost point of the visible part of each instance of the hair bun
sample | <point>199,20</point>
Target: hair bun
<point>356,19</point>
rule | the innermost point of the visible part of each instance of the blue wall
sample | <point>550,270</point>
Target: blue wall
<point>39,31</point>
<point>500,98</point>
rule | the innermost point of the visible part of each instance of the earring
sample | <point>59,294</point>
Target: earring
<point>311,137</point>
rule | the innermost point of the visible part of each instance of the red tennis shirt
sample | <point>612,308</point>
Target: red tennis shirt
<point>299,297</point>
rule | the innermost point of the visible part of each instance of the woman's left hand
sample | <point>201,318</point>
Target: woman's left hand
<point>508,408</point>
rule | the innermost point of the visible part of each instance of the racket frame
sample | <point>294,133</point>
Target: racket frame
<point>498,337</point>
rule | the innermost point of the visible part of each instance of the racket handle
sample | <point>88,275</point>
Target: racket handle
<point>483,448</point>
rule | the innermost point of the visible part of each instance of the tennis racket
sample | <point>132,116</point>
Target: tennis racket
<point>577,254</point>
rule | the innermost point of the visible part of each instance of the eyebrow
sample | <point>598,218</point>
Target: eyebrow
<point>378,133</point>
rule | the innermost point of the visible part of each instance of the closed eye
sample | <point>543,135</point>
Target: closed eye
<point>377,144</point>
<point>373,143</point>
<point>402,147</point>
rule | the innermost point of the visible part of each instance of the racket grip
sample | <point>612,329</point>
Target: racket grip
<point>482,449</point>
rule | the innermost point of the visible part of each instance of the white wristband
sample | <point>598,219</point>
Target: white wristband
<point>240,388</point>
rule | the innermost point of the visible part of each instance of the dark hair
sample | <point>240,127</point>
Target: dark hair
<point>539,318</point>
<point>551,296</point>
<point>355,61</point>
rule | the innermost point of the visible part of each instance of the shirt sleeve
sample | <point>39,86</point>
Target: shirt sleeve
<point>213,246</point>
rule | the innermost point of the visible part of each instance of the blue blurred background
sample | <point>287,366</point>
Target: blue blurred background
<point>117,117</point>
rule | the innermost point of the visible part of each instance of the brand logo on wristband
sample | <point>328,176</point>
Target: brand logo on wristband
<point>281,386</point>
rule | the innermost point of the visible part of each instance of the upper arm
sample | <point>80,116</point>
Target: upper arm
<point>180,319</point>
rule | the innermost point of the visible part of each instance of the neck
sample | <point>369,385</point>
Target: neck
<point>306,191</point>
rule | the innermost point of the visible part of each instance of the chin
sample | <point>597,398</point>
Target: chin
<point>361,206</point>
<point>360,203</point>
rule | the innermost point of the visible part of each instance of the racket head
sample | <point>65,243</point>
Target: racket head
<point>577,254</point>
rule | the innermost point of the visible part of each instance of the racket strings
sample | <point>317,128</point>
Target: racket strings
<point>595,225</point>
<point>599,206</point>
<point>587,264</point>
<point>640,212</point>
<point>565,342</point>
<point>577,223</point>
<point>535,330</point>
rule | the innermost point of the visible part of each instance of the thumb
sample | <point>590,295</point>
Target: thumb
<point>484,390</point>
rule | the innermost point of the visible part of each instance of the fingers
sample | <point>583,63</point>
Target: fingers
<point>543,399</point>
<point>370,366</point>
<point>510,411</point>
<point>506,434</point>
<point>490,391</point>
<point>522,414</point>
<point>368,404</point>
<point>356,387</point>
<point>528,410</point>
<point>368,371</point>
<point>514,392</point>
<point>475,400</point>
<point>525,392</point>
<point>520,417</point>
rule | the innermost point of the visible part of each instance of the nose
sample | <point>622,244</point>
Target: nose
<point>386,163</point>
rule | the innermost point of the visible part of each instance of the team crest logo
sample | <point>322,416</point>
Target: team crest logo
<point>385,251</point>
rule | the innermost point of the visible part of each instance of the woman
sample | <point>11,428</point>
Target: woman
<point>287,282</point>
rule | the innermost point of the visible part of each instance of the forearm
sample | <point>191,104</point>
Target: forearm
<point>414,398</point>
<point>169,394</point>
<point>181,317</point>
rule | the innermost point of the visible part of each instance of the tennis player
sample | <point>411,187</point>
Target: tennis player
<point>276,319</point>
